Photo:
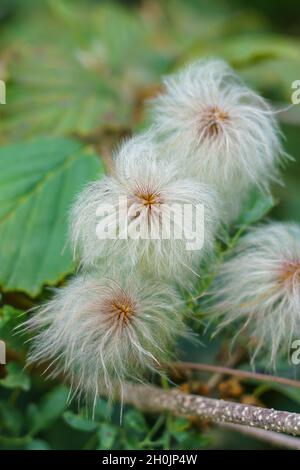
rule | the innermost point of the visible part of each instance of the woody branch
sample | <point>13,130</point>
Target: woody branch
<point>153,399</point>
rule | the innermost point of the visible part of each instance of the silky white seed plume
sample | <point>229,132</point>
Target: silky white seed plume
<point>100,332</point>
<point>151,214</point>
<point>219,129</point>
<point>260,286</point>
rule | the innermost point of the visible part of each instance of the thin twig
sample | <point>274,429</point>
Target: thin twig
<point>273,438</point>
<point>243,374</point>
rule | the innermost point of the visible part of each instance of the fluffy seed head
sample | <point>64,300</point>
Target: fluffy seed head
<point>218,128</point>
<point>101,331</point>
<point>260,286</point>
<point>158,207</point>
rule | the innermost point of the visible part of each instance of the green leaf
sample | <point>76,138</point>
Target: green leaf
<point>257,206</point>
<point>76,71</point>
<point>16,377</point>
<point>11,418</point>
<point>178,426</point>
<point>10,318</point>
<point>192,440</point>
<point>38,444</point>
<point>102,410</point>
<point>54,93</point>
<point>135,421</point>
<point>49,410</point>
<point>274,79</point>
<point>79,423</point>
<point>243,50</point>
<point>107,435</point>
<point>38,182</point>
<point>290,392</point>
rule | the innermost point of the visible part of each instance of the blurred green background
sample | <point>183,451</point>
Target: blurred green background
<point>78,74</point>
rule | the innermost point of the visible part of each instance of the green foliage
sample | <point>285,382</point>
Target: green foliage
<point>10,318</point>
<point>256,208</point>
<point>38,182</point>
<point>79,423</point>
<point>48,410</point>
<point>16,377</point>
<point>107,435</point>
<point>78,74</point>
<point>80,85</point>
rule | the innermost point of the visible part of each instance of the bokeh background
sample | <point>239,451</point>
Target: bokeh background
<point>78,74</point>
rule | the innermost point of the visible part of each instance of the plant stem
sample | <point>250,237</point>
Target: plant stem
<point>273,438</point>
<point>154,399</point>
<point>243,374</point>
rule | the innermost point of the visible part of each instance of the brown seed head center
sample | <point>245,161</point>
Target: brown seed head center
<point>123,309</point>
<point>290,272</point>
<point>212,120</point>
<point>149,198</point>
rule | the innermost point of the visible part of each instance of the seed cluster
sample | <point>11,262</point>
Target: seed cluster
<point>212,141</point>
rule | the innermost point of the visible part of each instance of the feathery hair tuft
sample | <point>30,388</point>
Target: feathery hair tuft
<point>102,331</point>
<point>151,189</point>
<point>219,129</point>
<point>260,287</point>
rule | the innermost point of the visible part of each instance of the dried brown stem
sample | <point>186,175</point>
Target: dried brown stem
<point>238,373</point>
<point>271,437</point>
